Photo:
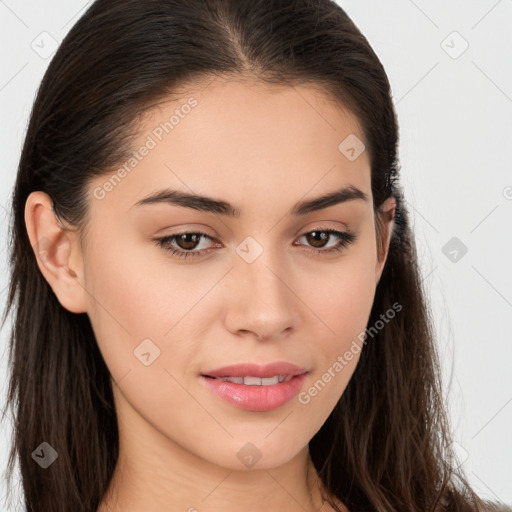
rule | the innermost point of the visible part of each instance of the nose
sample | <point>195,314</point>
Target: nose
<point>261,299</point>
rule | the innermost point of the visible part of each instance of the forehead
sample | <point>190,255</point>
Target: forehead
<point>228,105</point>
<point>236,138</point>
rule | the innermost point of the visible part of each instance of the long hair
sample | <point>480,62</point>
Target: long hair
<point>386,445</point>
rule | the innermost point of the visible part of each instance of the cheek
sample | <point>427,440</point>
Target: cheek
<point>137,293</point>
<point>341,300</point>
<point>123,307</point>
<point>342,293</point>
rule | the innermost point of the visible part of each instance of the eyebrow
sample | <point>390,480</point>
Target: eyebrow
<point>212,205</point>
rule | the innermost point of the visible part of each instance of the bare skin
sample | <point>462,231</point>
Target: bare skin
<point>263,149</point>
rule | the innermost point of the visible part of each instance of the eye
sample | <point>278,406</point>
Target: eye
<point>319,236</point>
<point>187,242</point>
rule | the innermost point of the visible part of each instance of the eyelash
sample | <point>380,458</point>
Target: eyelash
<point>345,238</point>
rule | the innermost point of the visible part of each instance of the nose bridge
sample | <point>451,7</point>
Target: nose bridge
<point>261,263</point>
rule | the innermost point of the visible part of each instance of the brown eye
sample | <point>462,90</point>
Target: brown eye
<point>183,245</point>
<point>188,241</point>
<point>317,238</point>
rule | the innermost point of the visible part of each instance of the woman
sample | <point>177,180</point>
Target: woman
<point>217,295</point>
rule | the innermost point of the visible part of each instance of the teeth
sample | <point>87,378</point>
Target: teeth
<point>235,380</point>
<point>257,381</point>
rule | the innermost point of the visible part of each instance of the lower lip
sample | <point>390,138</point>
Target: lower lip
<point>255,398</point>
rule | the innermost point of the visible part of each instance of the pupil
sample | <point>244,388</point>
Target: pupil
<point>183,239</point>
<point>318,236</point>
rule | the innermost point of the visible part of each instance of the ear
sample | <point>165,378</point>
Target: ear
<point>385,230</point>
<point>57,251</point>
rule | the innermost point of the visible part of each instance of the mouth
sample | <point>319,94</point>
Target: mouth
<point>256,394</point>
<point>250,372</point>
<point>254,381</point>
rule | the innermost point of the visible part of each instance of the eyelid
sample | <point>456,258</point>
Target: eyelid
<point>190,228</point>
<point>322,225</point>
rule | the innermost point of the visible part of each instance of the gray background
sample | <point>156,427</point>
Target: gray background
<point>454,106</point>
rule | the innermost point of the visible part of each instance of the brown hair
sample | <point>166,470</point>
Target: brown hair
<point>386,445</point>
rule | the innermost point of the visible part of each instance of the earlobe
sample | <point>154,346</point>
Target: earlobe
<point>57,252</point>
<point>387,210</point>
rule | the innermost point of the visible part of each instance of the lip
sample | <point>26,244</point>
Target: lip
<point>255,398</point>
<point>256,370</point>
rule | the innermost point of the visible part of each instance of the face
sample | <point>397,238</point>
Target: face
<point>177,291</point>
